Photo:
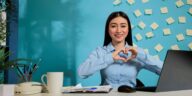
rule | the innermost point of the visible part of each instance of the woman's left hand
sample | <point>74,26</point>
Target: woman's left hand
<point>133,51</point>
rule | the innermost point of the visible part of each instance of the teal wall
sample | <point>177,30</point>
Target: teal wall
<point>64,32</point>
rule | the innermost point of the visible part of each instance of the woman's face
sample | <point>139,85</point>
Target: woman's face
<point>118,29</point>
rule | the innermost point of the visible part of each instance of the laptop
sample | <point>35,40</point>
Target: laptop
<point>176,72</point>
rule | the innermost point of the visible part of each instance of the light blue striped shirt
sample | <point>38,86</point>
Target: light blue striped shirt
<point>118,73</point>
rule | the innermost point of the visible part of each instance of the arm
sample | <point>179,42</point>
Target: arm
<point>148,62</point>
<point>96,61</point>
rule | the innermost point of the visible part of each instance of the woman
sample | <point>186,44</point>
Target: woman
<point>113,60</point>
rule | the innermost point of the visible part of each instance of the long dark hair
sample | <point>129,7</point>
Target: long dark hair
<point>113,15</point>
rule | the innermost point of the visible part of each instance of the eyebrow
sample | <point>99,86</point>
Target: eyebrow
<point>120,23</point>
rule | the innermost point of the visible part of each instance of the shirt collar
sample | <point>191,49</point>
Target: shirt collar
<point>110,47</point>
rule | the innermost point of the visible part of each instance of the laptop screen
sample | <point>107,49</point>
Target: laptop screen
<point>176,72</point>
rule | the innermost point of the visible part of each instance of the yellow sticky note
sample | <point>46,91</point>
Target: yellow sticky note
<point>154,25</point>
<point>170,20</point>
<point>116,2</point>
<point>189,32</point>
<point>190,45</point>
<point>148,11</point>
<point>189,2</point>
<point>179,3</point>
<point>166,31</point>
<point>137,13</point>
<point>158,47</point>
<point>164,10</point>
<point>149,34</point>
<point>145,1</point>
<point>138,37</point>
<point>130,2</point>
<point>175,47</point>
<point>190,11</point>
<point>141,25</point>
<point>182,19</point>
<point>180,37</point>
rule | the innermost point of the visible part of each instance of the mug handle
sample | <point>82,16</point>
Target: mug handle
<point>42,79</point>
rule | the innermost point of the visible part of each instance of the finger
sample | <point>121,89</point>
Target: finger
<point>126,50</point>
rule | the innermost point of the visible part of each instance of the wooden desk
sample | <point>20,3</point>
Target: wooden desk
<point>115,93</point>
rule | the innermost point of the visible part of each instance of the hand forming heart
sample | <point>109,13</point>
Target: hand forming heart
<point>125,51</point>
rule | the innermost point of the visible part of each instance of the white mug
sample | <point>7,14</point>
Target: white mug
<point>54,81</point>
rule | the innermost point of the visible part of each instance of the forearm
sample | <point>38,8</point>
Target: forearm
<point>149,62</point>
<point>93,64</point>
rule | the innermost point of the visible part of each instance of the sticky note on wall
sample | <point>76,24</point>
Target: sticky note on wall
<point>189,32</point>
<point>189,2</point>
<point>179,3</point>
<point>141,25</point>
<point>130,2</point>
<point>170,20</point>
<point>138,37</point>
<point>149,34</point>
<point>116,2</point>
<point>190,46</point>
<point>158,47</point>
<point>182,19</point>
<point>164,10</point>
<point>145,1</point>
<point>148,11</point>
<point>154,25</point>
<point>180,37</point>
<point>175,47</point>
<point>166,31</point>
<point>137,13</point>
<point>190,11</point>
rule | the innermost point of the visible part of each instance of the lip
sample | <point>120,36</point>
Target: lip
<point>118,35</point>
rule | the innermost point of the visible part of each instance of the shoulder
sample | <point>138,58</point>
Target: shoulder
<point>102,49</point>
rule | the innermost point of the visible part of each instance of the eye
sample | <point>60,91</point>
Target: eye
<point>123,25</point>
<point>113,25</point>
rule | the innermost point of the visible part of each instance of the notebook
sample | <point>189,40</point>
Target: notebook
<point>88,89</point>
<point>176,72</point>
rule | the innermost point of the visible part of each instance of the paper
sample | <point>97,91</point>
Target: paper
<point>190,11</point>
<point>189,32</point>
<point>180,37</point>
<point>158,47</point>
<point>190,45</point>
<point>131,2</point>
<point>148,11</point>
<point>182,19</point>
<point>137,13</point>
<point>116,2</point>
<point>89,89</point>
<point>189,2</point>
<point>149,34</point>
<point>145,1</point>
<point>138,37</point>
<point>175,47</point>
<point>164,10</point>
<point>179,3</point>
<point>154,25</point>
<point>170,20</point>
<point>141,25</point>
<point>166,31</point>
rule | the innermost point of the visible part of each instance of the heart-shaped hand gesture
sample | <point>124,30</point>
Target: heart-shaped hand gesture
<point>125,51</point>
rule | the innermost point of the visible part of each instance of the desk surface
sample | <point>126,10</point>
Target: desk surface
<point>115,93</point>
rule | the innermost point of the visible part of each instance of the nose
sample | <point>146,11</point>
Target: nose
<point>118,29</point>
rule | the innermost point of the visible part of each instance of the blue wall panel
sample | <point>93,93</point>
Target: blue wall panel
<point>64,32</point>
